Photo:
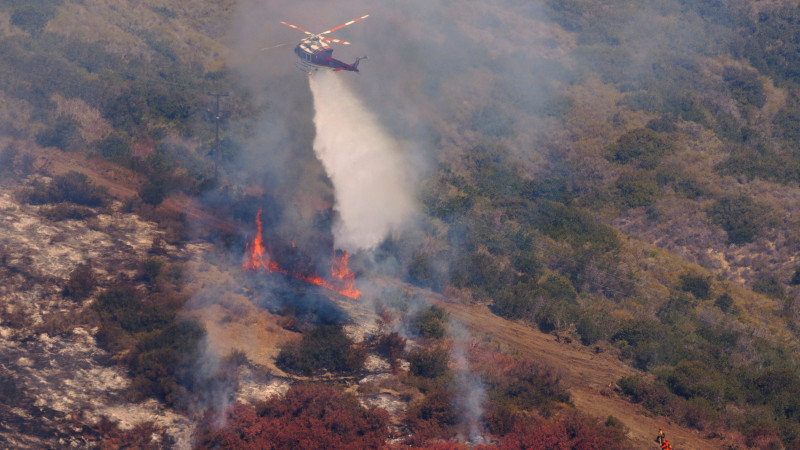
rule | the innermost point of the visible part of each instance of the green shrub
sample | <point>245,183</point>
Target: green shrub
<point>431,323</point>
<point>745,86</point>
<point>81,282</point>
<point>32,17</point>
<point>153,192</point>
<point>326,347</point>
<point>697,285</point>
<point>150,269</point>
<point>64,134</point>
<point>740,216</point>
<point>517,300</point>
<point>795,277</point>
<point>691,379</point>
<point>724,302</point>
<point>593,326</point>
<point>123,306</point>
<point>73,187</point>
<point>769,285</point>
<point>642,146</point>
<point>429,362</point>
<point>391,346</point>
<point>66,211</point>
<point>574,226</point>
<point>525,385</point>
<point>637,188</point>
<point>640,340</point>
<point>115,148</point>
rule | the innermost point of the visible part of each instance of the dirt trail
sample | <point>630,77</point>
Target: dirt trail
<point>591,376</point>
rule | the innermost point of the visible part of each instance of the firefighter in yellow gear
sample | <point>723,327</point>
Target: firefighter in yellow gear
<point>660,436</point>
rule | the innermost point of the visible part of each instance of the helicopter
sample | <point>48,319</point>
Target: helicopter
<point>314,51</point>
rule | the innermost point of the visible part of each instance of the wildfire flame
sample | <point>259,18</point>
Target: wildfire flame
<point>343,280</point>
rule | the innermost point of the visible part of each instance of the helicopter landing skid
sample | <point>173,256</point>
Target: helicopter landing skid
<point>305,67</point>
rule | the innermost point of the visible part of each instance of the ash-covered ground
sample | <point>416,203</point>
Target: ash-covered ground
<point>55,381</point>
<point>60,389</point>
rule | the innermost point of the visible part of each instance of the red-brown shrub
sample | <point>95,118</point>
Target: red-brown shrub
<point>572,430</point>
<point>308,417</point>
<point>432,417</point>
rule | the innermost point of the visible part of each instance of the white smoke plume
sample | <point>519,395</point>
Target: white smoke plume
<point>371,180</point>
<point>471,391</point>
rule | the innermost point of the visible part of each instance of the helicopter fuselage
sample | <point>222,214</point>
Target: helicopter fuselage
<point>314,52</point>
<point>317,53</point>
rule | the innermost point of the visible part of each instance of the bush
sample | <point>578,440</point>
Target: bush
<point>81,282</point>
<point>641,340</point>
<point>432,417</point>
<point>322,348</point>
<point>517,300</point>
<point>654,397</point>
<point>391,346</point>
<point>526,384</point>
<point>150,269</point>
<point>769,285</point>
<point>724,302</point>
<point>642,146</point>
<point>697,285</point>
<point>32,18</point>
<point>429,362</point>
<point>153,192</point>
<point>571,431</point>
<point>64,134</point>
<point>637,188</point>
<point>73,187</point>
<point>115,148</point>
<point>795,281</point>
<point>690,379</point>
<point>574,226</point>
<point>740,216</point>
<point>124,313</point>
<point>65,211</point>
<point>745,87</point>
<point>431,323</point>
<point>308,417</point>
<point>592,326</point>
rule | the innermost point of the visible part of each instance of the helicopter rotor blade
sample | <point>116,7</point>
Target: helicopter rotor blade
<point>344,25</point>
<point>274,46</point>
<point>297,28</point>
<point>338,41</point>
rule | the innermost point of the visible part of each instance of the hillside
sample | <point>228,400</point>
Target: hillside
<point>600,200</point>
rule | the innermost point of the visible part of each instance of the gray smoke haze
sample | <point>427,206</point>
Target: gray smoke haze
<point>431,66</point>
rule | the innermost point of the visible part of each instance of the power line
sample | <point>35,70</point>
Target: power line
<point>217,118</point>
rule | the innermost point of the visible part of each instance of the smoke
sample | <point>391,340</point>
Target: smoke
<point>471,390</point>
<point>371,181</point>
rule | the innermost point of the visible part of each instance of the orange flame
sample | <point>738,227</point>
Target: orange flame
<point>257,256</point>
<point>343,279</point>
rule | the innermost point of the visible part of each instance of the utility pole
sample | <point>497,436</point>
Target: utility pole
<point>217,118</point>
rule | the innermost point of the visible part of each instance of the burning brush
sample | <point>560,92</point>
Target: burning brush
<point>342,281</point>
